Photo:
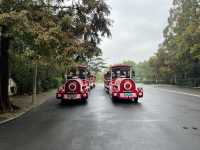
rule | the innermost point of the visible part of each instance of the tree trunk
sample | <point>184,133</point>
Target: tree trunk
<point>34,83</point>
<point>5,104</point>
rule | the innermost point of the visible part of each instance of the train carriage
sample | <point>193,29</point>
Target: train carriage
<point>119,83</point>
<point>76,86</point>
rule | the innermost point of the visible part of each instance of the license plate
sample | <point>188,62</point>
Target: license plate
<point>70,96</point>
<point>128,94</point>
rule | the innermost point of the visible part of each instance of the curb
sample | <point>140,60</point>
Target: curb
<point>23,112</point>
<point>13,118</point>
<point>20,114</point>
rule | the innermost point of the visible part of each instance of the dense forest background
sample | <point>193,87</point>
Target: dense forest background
<point>177,60</point>
<point>52,35</point>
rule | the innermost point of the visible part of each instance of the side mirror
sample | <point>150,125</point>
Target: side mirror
<point>133,73</point>
<point>140,89</point>
<point>140,92</point>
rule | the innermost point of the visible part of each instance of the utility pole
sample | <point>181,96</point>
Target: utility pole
<point>34,96</point>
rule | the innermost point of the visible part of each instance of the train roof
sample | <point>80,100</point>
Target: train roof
<point>119,65</point>
<point>81,66</point>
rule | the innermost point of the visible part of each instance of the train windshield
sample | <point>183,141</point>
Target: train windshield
<point>77,73</point>
<point>123,72</point>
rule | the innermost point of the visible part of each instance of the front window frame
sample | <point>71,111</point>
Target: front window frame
<point>79,72</point>
<point>120,72</point>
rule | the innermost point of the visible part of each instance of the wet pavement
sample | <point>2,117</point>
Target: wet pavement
<point>160,121</point>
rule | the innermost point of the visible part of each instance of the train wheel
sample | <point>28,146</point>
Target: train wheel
<point>85,100</point>
<point>135,100</point>
<point>62,101</point>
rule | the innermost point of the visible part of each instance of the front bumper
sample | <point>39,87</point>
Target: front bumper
<point>72,96</point>
<point>75,96</point>
<point>125,96</point>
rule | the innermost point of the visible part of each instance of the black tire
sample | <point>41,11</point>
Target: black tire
<point>85,100</point>
<point>62,101</point>
<point>136,100</point>
<point>114,99</point>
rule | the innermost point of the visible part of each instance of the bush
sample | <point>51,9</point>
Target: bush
<point>22,72</point>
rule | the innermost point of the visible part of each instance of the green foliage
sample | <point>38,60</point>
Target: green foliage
<point>178,57</point>
<point>143,71</point>
<point>52,36</point>
<point>22,72</point>
<point>96,65</point>
<point>99,77</point>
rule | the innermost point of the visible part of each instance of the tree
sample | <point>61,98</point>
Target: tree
<point>4,46</point>
<point>178,56</point>
<point>96,64</point>
<point>48,32</point>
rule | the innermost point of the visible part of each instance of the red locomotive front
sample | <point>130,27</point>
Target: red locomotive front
<point>76,86</point>
<point>121,85</point>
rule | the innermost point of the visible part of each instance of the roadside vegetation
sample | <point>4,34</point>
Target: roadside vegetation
<point>42,38</point>
<point>177,60</point>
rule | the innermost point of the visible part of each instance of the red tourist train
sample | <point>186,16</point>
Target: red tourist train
<point>76,86</point>
<point>119,84</point>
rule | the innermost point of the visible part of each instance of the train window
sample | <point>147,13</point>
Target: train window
<point>120,73</point>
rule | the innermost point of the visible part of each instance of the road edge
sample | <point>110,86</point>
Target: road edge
<point>13,118</point>
<point>17,115</point>
<point>178,90</point>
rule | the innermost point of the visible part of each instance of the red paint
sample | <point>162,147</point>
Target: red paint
<point>121,87</point>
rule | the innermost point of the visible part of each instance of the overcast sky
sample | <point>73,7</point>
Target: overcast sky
<point>137,29</point>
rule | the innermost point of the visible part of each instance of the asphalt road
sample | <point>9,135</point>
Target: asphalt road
<point>163,120</point>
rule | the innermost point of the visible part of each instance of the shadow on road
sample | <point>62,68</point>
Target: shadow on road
<point>128,105</point>
<point>122,102</point>
<point>71,104</point>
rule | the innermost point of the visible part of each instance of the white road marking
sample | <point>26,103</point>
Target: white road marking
<point>182,93</point>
